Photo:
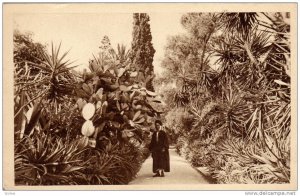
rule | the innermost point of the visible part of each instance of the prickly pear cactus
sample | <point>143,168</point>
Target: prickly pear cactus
<point>114,100</point>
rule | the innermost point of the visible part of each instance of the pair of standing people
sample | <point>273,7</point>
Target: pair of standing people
<point>159,147</point>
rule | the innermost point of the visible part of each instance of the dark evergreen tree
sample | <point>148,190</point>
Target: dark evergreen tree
<point>142,49</point>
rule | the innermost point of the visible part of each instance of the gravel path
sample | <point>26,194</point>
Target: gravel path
<point>181,173</point>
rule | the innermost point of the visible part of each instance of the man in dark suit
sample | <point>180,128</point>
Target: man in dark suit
<point>159,146</point>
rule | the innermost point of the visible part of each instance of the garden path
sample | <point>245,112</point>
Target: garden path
<point>181,173</point>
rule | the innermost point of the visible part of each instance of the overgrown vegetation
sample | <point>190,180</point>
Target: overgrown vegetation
<point>79,128</point>
<point>232,73</point>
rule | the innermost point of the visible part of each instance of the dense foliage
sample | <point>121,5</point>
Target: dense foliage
<point>227,90</point>
<point>79,128</point>
<point>232,73</point>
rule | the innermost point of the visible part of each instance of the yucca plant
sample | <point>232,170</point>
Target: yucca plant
<point>241,22</point>
<point>245,104</point>
<point>50,84</point>
<point>40,156</point>
<point>60,79</point>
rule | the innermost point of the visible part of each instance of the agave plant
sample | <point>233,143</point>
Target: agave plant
<point>122,53</point>
<point>47,160</point>
<point>262,165</point>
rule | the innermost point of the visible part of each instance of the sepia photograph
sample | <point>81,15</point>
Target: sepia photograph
<point>150,96</point>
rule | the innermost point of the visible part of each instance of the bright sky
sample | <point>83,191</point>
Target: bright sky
<point>82,33</point>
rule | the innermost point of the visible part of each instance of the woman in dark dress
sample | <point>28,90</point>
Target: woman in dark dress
<point>159,147</point>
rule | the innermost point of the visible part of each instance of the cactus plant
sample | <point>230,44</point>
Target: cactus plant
<point>122,104</point>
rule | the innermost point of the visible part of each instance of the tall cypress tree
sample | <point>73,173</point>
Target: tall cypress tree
<point>142,49</point>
